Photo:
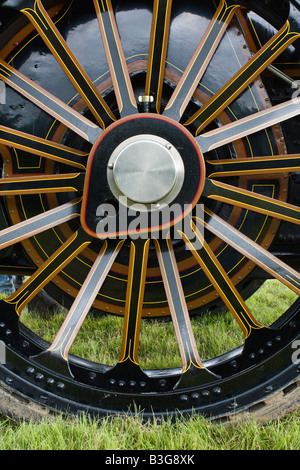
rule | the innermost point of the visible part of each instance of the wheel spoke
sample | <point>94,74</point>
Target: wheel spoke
<point>40,223</point>
<point>243,244</point>
<point>63,256</point>
<point>199,61</point>
<point>115,58</point>
<point>191,362</point>
<point>49,103</point>
<point>158,49</point>
<point>253,166</point>
<point>43,148</point>
<point>134,300</point>
<point>57,45</point>
<point>248,125</point>
<point>248,73</point>
<point>222,283</point>
<point>252,201</point>
<point>62,183</point>
<point>59,349</point>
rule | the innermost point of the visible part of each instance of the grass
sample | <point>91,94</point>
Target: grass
<point>131,434</point>
<point>158,348</point>
<point>100,338</point>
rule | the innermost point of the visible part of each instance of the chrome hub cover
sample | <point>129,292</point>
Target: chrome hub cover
<point>146,169</point>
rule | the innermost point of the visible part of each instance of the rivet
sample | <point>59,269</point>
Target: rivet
<point>184,398</point>
<point>110,166</point>
<point>205,394</point>
<point>195,396</point>
<point>39,377</point>
<point>60,386</point>
<point>217,390</point>
<point>233,404</point>
<point>30,370</point>
<point>121,383</point>
<point>142,384</point>
<point>50,382</point>
<point>163,383</point>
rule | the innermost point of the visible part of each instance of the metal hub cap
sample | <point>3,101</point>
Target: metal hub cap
<point>145,169</point>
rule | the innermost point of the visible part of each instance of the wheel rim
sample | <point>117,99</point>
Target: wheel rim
<point>89,148</point>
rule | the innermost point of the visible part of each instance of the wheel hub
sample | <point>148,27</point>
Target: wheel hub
<point>146,169</point>
<point>146,163</point>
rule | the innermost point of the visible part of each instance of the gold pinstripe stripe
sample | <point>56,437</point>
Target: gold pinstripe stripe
<point>62,335</point>
<point>222,9</point>
<point>152,48</point>
<point>132,354</point>
<point>120,52</point>
<point>242,319</point>
<point>47,23</point>
<point>186,365</point>
<point>248,255</point>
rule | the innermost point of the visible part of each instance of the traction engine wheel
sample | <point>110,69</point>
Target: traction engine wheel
<point>150,159</point>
